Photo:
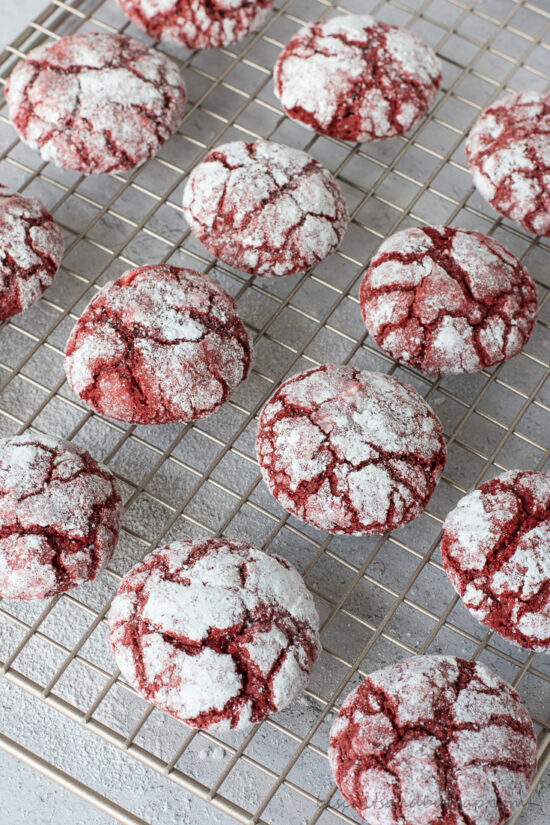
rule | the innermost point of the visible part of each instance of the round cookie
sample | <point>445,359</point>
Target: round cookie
<point>31,247</point>
<point>215,632</point>
<point>160,344</point>
<point>356,78</point>
<point>264,208</point>
<point>95,103</point>
<point>496,553</point>
<point>350,451</point>
<point>196,24</point>
<point>447,300</point>
<point>508,150</point>
<point>433,740</point>
<point>60,514</point>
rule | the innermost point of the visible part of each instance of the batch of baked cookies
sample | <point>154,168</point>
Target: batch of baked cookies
<point>216,632</point>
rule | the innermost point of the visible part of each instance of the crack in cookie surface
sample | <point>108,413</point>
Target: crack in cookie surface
<point>356,78</point>
<point>31,248</point>
<point>216,633</point>
<point>508,150</point>
<point>198,24</point>
<point>265,208</point>
<point>95,103</point>
<point>350,451</point>
<point>447,300</point>
<point>60,514</point>
<point>160,344</point>
<point>433,740</point>
<point>496,553</point>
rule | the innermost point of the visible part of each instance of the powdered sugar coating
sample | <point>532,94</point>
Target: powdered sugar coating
<point>160,344</point>
<point>196,24</point>
<point>60,513</point>
<point>447,300</point>
<point>265,208</point>
<point>356,78</point>
<point>508,150</point>
<point>95,102</point>
<point>350,451</point>
<point>215,632</point>
<point>31,247</point>
<point>496,553</point>
<point>433,740</point>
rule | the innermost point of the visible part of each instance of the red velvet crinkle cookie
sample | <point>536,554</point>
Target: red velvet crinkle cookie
<point>447,300</point>
<point>197,24</point>
<point>496,553</point>
<point>508,150</point>
<point>60,513</point>
<point>216,633</point>
<point>350,451</point>
<point>31,247</point>
<point>356,78</point>
<point>265,208</point>
<point>160,344</point>
<point>95,102</point>
<point>434,740</point>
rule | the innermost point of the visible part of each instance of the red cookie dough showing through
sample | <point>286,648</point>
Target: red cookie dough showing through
<point>95,103</point>
<point>356,78</point>
<point>350,451</point>
<point>161,344</point>
<point>60,514</point>
<point>265,208</point>
<point>434,740</point>
<point>197,24</point>
<point>215,632</point>
<point>508,150</point>
<point>496,553</point>
<point>447,300</point>
<point>31,248</point>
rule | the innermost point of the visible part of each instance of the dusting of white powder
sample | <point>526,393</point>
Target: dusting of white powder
<point>110,114</point>
<point>508,150</point>
<point>161,326</point>
<point>475,524</point>
<point>195,24</point>
<point>456,308</point>
<point>477,738</point>
<point>366,431</point>
<point>265,208</point>
<point>34,244</point>
<point>475,528</point>
<point>529,568</point>
<point>329,64</point>
<point>196,596</point>
<point>44,483</point>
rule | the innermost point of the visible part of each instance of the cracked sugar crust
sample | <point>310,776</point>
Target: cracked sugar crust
<point>31,247</point>
<point>447,300</point>
<point>508,150</point>
<point>265,208</point>
<point>196,24</point>
<point>60,514</point>
<point>160,344</point>
<point>434,740</point>
<point>350,451</point>
<point>95,103</point>
<point>215,632</point>
<point>356,78</point>
<point>496,553</point>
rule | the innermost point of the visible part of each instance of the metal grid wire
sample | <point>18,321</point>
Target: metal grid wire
<point>380,598</point>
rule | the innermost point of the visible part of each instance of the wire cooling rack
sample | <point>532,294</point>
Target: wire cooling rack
<point>380,598</point>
